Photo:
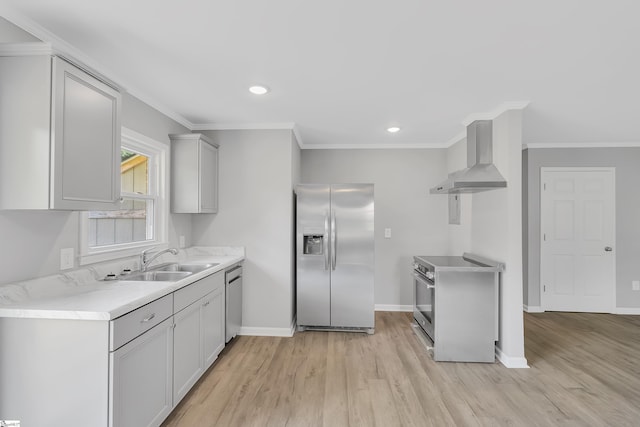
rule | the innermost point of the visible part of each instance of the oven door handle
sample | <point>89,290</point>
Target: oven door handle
<point>424,281</point>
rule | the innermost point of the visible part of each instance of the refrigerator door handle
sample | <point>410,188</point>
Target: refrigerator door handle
<point>334,237</point>
<point>325,243</point>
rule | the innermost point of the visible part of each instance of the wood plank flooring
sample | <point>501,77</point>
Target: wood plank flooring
<point>585,371</point>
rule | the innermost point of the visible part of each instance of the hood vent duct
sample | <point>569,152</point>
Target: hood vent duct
<point>480,173</point>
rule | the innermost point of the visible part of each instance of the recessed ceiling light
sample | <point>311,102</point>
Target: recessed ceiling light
<point>393,129</point>
<point>258,90</point>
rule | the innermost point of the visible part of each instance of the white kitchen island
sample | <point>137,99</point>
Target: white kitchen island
<point>77,351</point>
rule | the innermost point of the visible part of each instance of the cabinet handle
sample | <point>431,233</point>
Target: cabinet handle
<point>146,319</point>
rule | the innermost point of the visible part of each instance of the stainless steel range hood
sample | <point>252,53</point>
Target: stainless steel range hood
<point>480,173</point>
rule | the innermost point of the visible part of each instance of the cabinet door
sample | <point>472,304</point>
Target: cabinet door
<point>140,379</point>
<point>208,178</point>
<point>85,141</point>
<point>213,327</point>
<point>187,352</point>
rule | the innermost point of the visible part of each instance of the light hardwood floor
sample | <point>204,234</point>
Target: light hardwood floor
<point>585,371</point>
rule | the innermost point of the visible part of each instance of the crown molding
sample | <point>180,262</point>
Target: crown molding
<point>490,115</point>
<point>459,137</point>
<point>26,49</point>
<point>371,146</point>
<point>252,126</point>
<point>244,126</point>
<point>296,133</point>
<point>77,56</point>
<point>535,145</point>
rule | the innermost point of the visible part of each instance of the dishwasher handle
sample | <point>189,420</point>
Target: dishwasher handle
<point>233,273</point>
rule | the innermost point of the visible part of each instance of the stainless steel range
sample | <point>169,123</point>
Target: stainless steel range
<point>456,306</point>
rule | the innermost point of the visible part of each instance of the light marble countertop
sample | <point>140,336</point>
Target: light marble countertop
<point>80,295</point>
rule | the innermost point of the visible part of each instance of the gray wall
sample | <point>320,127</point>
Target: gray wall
<point>627,164</point>
<point>418,220</point>
<point>30,241</point>
<point>258,170</point>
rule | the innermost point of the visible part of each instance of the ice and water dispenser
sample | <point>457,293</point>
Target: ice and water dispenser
<point>313,244</point>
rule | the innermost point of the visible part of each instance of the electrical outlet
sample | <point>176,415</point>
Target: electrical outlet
<point>182,243</point>
<point>66,258</point>
<point>387,233</point>
<point>635,285</point>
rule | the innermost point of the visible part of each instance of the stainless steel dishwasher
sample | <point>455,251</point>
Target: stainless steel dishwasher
<point>233,306</point>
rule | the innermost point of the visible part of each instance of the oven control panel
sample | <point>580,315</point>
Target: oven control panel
<point>424,270</point>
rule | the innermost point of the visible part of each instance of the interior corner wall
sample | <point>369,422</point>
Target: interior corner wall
<point>418,220</point>
<point>256,174</point>
<point>627,176</point>
<point>496,230</point>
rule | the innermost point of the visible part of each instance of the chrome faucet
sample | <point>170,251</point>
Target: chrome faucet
<point>144,262</point>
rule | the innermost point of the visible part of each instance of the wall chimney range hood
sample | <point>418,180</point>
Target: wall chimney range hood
<point>480,173</point>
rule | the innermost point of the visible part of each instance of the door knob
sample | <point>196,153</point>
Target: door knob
<point>608,248</point>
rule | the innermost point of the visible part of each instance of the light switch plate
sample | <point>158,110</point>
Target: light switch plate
<point>66,258</point>
<point>182,243</point>
<point>635,285</point>
<point>387,233</point>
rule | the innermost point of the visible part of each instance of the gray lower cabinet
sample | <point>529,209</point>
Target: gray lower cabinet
<point>199,331</point>
<point>187,351</point>
<point>141,382</point>
<point>64,125</point>
<point>130,371</point>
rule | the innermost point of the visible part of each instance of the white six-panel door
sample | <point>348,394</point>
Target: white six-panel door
<point>577,263</point>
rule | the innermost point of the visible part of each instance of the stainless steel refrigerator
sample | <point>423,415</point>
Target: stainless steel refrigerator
<point>335,256</point>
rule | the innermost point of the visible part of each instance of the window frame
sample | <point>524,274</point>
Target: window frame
<point>157,154</point>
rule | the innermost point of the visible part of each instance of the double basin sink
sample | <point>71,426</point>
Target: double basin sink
<point>167,272</point>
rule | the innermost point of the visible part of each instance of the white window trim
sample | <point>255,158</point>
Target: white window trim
<point>155,150</point>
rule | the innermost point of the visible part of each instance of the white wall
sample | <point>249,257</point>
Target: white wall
<point>258,170</point>
<point>496,231</point>
<point>30,241</point>
<point>418,220</point>
<point>491,226</point>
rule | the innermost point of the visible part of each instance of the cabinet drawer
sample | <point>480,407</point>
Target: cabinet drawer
<point>127,327</point>
<point>193,292</point>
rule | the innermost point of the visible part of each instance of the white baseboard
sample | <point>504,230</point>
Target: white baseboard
<point>269,332</point>
<point>626,310</point>
<point>393,307</point>
<point>532,308</point>
<point>511,362</point>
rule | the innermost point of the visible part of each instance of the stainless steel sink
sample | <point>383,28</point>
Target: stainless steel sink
<point>157,276</point>
<point>191,268</point>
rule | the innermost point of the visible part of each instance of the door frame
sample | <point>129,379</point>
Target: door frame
<point>543,171</point>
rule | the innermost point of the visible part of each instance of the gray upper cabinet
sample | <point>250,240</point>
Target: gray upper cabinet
<point>194,174</point>
<point>59,136</point>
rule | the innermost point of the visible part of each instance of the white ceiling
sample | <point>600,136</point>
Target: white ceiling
<point>345,70</point>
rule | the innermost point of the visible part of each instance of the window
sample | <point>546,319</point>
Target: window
<point>141,220</point>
